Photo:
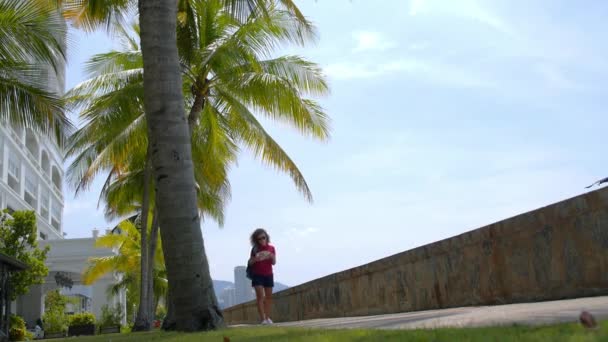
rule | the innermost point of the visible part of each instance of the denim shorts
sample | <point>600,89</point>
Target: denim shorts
<point>260,280</point>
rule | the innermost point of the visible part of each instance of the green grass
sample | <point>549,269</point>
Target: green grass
<point>563,332</point>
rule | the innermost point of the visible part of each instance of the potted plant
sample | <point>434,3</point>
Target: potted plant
<point>82,324</point>
<point>111,320</point>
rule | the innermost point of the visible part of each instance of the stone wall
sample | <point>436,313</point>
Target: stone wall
<point>556,252</point>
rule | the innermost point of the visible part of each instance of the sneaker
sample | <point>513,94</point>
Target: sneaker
<point>269,321</point>
<point>265,322</point>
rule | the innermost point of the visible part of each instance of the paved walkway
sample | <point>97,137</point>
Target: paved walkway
<point>529,314</point>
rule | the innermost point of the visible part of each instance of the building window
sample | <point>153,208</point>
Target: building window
<point>31,190</point>
<point>13,168</point>
<point>46,164</point>
<point>30,185</point>
<point>56,213</point>
<point>44,203</point>
<point>56,178</point>
<point>32,146</point>
<point>56,210</point>
<point>43,236</point>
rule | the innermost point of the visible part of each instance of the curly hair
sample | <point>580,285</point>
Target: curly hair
<point>253,239</point>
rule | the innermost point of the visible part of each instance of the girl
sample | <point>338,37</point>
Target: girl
<point>262,258</point>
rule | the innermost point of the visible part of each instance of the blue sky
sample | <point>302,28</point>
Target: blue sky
<point>446,116</point>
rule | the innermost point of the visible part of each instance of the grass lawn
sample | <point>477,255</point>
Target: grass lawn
<point>564,332</point>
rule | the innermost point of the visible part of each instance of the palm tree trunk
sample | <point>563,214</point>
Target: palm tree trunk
<point>152,297</point>
<point>195,111</point>
<point>142,321</point>
<point>169,322</point>
<point>187,266</point>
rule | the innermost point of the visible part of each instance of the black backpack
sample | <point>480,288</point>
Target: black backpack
<point>249,270</point>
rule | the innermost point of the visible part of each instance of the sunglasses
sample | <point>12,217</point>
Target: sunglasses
<point>261,238</point>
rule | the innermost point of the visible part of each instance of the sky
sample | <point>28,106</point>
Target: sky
<point>446,116</point>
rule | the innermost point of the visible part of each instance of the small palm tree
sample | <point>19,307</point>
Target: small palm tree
<point>126,262</point>
<point>32,52</point>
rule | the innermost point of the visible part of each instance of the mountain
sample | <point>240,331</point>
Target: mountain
<point>220,285</point>
<point>279,287</point>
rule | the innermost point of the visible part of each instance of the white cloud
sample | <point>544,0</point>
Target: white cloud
<point>425,71</point>
<point>350,71</point>
<point>372,41</point>
<point>468,9</point>
<point>555,77</point>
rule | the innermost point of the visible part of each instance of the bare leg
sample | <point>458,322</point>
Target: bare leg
<point>268,301</point>
<point>259,295</point>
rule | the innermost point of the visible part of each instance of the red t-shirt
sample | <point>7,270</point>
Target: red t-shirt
<point>264,267</point>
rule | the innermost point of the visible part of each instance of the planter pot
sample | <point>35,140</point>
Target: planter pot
<point>77,330</point>
<point>110,329</point>
<point>53,335</point>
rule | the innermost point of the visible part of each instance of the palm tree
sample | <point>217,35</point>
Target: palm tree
<point>115,131</point>
<point>126,262</point>
<point>32,51</point>
<point>172,161</point>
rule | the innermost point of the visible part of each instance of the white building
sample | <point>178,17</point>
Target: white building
<point>227,297</point>
<point>31,169</point>
<point>242,285</point>
<point>31,178</point>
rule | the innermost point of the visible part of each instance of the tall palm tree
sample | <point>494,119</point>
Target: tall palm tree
<point>172,161</point>
<point>114,136</point>
<point>32,51</point>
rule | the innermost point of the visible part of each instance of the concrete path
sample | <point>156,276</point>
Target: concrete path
<point>526,314</point>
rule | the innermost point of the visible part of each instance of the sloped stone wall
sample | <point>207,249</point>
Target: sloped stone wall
<point>559,251</point>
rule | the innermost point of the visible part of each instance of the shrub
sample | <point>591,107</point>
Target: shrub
<point>111,316</point>
<point>55,322</point>
<point>17,330</point>
<point>84,318</point>
<point>55,301</point>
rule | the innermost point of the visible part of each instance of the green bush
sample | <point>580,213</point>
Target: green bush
<point>111,316</point>
<point>55,322</point>
<point>84,318</point>
<point>17,330</point>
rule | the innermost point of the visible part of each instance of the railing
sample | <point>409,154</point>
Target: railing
<point>14,169</point>
<point>30,186</point>
<point>15,135</point>
<point>44,212</point>
<point>57,191</point>
<point>31,157</point>
<point>56,211</point>
<point>56,225</point>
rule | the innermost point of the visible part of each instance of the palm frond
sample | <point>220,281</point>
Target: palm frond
<point>90,15</point>
<point>251,133</point>
<point>32,53</point>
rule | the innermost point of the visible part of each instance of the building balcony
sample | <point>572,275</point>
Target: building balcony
<point>17,203</point>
